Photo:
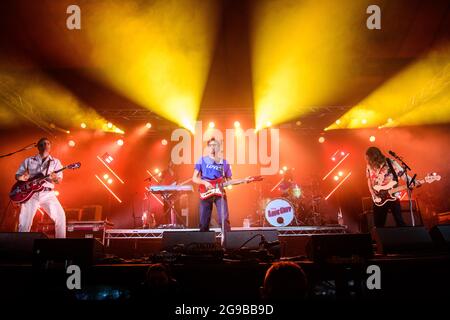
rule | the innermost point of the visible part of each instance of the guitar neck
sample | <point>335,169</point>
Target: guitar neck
<point>234,182</point>
<point>404,187</point>
<point>48,175</point>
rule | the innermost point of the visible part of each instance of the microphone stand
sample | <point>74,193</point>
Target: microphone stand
<point>30,146</point>
<point>223,203</point>
<point>409,184</point>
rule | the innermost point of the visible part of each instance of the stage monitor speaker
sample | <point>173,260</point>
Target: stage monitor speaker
<point>62,252</point>
<point>403,240</point>
<point>184,239</point>
<point>250,239</point>
<point>18,246</point>
<point>329,247</point>
<point>92,213</point>
<point>441,236</point>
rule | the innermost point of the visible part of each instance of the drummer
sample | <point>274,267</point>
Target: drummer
<point>287,184</point>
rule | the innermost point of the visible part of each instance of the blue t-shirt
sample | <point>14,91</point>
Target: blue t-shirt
<point>211,170</point>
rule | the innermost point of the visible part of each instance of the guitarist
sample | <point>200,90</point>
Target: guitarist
<point>381,171</point>
<point>43,163</point>
<point>211,167</point>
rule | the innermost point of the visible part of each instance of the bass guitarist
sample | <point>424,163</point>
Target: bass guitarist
<point>45,164</point>
<point>208,168</point>
<point>381,171</point>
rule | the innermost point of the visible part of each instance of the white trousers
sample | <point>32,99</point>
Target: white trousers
<point>48,201</point>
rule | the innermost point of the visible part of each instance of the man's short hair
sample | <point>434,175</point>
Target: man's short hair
<point>211,140</point>
<point>41,140</point>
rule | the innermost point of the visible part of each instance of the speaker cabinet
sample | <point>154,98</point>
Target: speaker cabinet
<point>92,213</point>
<point>404,240</point>
<point>18,246</point>
<point>441,236</point>
<point>62,252</point>
<point>172,239</point>
<point>328,247</point>
<point>250,239</point>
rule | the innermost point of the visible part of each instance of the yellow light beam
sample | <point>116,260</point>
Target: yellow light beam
<point>418,95</point>
<point>301,54</point>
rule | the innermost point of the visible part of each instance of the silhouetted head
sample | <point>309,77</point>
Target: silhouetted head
<point>285,281</point>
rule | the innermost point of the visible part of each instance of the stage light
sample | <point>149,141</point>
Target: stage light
<point>268,124</point>
<point>156,170</point>
<point>71,143</point>
<point>342,153</point>
<point>390,120</point>
<point>83,125</point>
<point>56,193</point>
<point>211,125</point>
<point>120,142</point>
<point>110,169</point>
<point>338,121</point>
<point>281,171</point>
<point>107,188</point>
<point>340,173</point>
<point>321,140</point>
<point>285,168</point>
<point>148,125</point>
<point>164,142</point>
<point>68,131</point>
<point>105,176</point>
<point>106,157</point>
<point>110,181</point>
<point>333,159</point>
<point>237,124</point>
<point>364,121</point>
<point>298,123</point>
<point>372,139</point>
<point>109,125</point>
<point>336,178</point>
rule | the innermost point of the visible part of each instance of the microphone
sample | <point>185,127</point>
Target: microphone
<point>33,145</point>
<point>392,153</point>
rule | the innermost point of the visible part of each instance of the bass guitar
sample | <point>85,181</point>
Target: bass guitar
<point>387,192</point>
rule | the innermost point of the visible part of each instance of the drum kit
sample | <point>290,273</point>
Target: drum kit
<point>294,206</point>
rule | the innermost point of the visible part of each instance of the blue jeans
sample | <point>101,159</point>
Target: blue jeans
<point>206,207</point>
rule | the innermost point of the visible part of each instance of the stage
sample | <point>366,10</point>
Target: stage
<point>282,231</point>
<point>315,131</point>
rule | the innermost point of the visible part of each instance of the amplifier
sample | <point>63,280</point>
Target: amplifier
<point>88,229</point>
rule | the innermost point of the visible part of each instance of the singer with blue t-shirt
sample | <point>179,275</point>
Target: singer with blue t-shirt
<point>208,168</point>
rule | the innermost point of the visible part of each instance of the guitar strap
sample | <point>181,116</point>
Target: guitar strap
<point>391,167</point>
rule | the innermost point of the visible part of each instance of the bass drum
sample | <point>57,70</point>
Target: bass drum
<point>279,212</point>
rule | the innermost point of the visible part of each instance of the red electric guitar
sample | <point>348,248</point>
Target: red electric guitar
<point>217,186</point>
<point>24,190</point>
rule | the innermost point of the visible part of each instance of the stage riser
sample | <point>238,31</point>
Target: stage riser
<point>291,246</point>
